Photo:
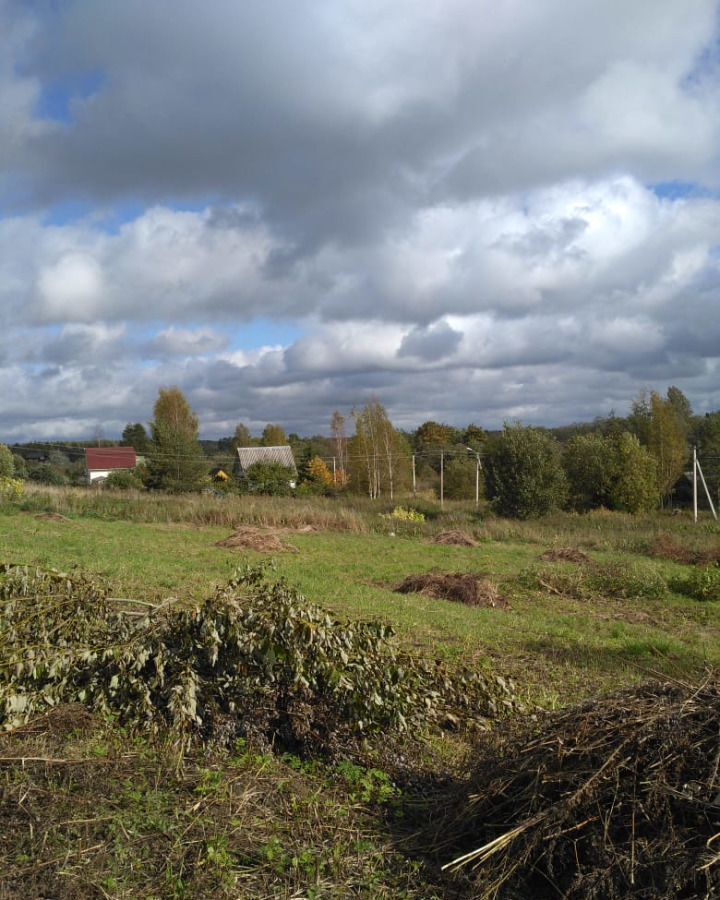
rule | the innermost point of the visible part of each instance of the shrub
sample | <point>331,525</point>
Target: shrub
<point>20,466</point>
<point>45,473</point>
<point>459,480</point>
<point>404,515</point>
<point>123,481</point>
<point>7,462</point>
<point>268,478</point>
<point>11,489</point>
<point>524,473</point>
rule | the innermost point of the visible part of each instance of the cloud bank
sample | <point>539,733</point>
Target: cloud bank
<point>471,211</point>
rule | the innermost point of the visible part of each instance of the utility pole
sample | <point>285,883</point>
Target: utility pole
<point>695,508</point>
<point>442,479</point>
<point>334,472</point>
<point>414,482</point>
<point>477,474</point>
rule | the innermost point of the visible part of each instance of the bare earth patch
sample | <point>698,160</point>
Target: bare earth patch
<point>565,554</point>
<point>261,540</point>
<point>455,539</point>
<point>52,517</point>
<point>472,590</point>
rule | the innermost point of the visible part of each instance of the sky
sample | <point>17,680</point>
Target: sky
<point>471,210</point>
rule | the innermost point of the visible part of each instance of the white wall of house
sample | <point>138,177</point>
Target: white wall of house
<point>94,474</point>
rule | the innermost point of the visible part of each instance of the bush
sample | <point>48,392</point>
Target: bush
<point>123,481</point>
<point>268,478</point>
<point>459,480</point>
<point>524,474</point>
<point>45,473</point>
<point>7,462</point>
<point>20,466</point>
<point>11,489</point>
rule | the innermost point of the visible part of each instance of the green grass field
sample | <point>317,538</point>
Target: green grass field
<point>254,826</point>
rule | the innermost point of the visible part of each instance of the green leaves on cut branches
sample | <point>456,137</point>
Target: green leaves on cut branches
<point>256,659</point>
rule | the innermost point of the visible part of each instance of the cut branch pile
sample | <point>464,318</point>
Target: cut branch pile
<point>459,587</point>
<point>616,799</point>
<point>254,660</point>
<point>455,539</point>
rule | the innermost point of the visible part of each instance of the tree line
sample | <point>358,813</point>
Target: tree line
<point>630,463</point>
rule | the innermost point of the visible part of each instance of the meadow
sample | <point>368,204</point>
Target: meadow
<point>252,824</point>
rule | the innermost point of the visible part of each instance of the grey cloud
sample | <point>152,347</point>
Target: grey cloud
<point>431,343</point>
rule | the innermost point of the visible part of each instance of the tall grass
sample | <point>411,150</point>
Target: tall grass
<point>599,530</point>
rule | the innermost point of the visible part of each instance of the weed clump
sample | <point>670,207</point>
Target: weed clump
<point>255,660</point>
<point>614,799</point>
<point>626,582</point>
<point>701,583</point>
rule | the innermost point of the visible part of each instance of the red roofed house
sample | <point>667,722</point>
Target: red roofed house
<point>101,461</point>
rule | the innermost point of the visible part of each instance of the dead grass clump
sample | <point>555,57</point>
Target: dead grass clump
<point>262,541</point>
<point>472,590</point>
<point>565,554</point>
<point>52,517</point>
<point>667,546</point>
<point>617,798</point>
<point>455,539</point>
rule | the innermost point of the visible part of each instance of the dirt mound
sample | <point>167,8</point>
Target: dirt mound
<point>52,517</point>
<point>455,539</point>
<point>472,590</point>
<point>614,799</point>
<point>666,546</point>
<point>565,554</point>
<point>260,540</point>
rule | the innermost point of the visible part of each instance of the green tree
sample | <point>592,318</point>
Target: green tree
<point>590,463</point>
<point>435,436</point>
<point>635,488</point>
<point>176,461</point>
<point>21,469</point>
<point>474,437</point>
<point>682,408</point>
<point>135,435</point>
<point>459,479</point>
<point>667,442</point>
<point>7,462</point>
<point>524,474</point>
<point>273,436</point>
<point>379,454</point>
<point>242,437</point>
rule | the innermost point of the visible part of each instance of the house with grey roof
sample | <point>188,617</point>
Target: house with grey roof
<point>282,456</point>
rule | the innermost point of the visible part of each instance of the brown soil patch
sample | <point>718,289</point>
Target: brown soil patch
<point>472,590</point>
<point>455,539</point>
<point>263,541</point>
<point>665,546</point>
<point>565,554</point>
<point>52,517</point>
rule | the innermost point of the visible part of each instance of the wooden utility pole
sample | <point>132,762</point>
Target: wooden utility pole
<point>442,478</point>
<point>695,508</point>
<point>413,470</point>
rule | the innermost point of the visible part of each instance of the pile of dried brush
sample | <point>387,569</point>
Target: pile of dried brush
<point>615,799</point>
<point>455,539</point>
<point>460,587</point>
<point>565,554</point>
<point>246,537</point>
